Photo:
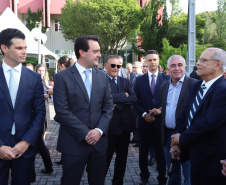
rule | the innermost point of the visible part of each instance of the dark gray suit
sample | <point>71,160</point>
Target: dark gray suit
<point>78,115</point>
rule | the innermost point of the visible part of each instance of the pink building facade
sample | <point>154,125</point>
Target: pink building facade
<point>51,13</point>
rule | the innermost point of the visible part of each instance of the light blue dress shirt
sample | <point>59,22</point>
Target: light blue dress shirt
<point>171,104</point>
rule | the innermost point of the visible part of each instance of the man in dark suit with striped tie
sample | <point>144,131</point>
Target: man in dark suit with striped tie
<point>201,126</point>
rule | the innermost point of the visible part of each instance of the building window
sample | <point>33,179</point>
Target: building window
<point>57,26</point>
<point>47,63</point>
<point>127,56</point>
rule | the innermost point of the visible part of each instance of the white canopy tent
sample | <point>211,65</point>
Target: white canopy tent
<point>9,20</point>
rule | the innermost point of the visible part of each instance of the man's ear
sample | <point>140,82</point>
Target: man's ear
<point>4,48</point>
<point>82,53</point>
<point>219,65</point>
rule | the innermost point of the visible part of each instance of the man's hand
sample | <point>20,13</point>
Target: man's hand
<point>155,112</point>
<point>6,153</point>
<point>175,152</point>
<point>175,139</point>
<point>93,137</point>
<point>127,94</point>
<point>223,162</point>
<point>149,118</point>
<point>20,148</point>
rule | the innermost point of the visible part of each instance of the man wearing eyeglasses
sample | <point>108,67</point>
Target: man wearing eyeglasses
<point>201,132</point>
<point>123,120</point>
<point>147,89</point>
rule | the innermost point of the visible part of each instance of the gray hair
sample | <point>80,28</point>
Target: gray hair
<point>175,56</point>
<point>220,54</point>
<point>129,64</point>
<point>139,63</point>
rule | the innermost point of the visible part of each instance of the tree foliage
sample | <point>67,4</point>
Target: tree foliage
<point>33,18</point>
<point>151,30</point>
<point>115,21</point>
<point>175,7</point>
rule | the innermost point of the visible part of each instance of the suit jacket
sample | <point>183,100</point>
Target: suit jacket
<point>181,101</point>
<point>28,112</point>
<point>124,117</point>
<point>77,114</point>
<point>206,137</point>
<point>146,100</point>
<point>125,73</point>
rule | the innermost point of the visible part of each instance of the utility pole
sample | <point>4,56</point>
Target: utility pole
<point>190,59</point>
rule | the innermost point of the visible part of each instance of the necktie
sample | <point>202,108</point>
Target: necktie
<point>13,88</point>
<point>195,104</point>
<point>87,82</point>
<point>153,83</point>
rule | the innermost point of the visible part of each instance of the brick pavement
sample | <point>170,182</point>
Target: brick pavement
<point>132,169</point>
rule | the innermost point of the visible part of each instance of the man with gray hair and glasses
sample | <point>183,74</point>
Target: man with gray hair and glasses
<point>201,126</point>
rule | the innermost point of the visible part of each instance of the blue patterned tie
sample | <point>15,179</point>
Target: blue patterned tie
<point>196,103</point>
<point>13,88</point>
<point>153,83</point>
<point>87,82</point>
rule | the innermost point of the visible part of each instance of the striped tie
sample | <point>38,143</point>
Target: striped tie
<point>195,105</point>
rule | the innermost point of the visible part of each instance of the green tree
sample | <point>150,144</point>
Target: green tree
<point>151,30</point>
<point>175,7</point>
<point>177,32</point>
<point>33,18</point>
<point>115,21</point>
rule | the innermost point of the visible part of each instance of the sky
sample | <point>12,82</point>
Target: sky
<point>201,5</point>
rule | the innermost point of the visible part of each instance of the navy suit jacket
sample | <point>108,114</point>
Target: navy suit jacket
<point>77,114</point>
<point>206,137</point>
<point>146,100</point>
<point>180,104</point>
<point>28,113</point>
<point>124,116</point>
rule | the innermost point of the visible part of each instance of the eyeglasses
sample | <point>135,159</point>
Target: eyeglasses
<point>114,65</point>
<point>204,60</point>
<point>145,66</point>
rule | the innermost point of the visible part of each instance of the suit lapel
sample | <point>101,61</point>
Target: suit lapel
<point>158,82</point>
<point>22,85</point>
<point>165,93</point>
<point>80,82</point>
<point>4,87</point>
<point>184,89</point>
<point>147,84</point>
<point>211,89</point>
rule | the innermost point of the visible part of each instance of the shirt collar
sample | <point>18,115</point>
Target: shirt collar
<point>156,74</point>
<point>80,68</point>
<point>6,67</point>
<point>181,79</point>
<point>209,83</point>
<point>113,77</point>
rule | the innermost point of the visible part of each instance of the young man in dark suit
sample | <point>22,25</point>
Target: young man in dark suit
<point>201,125</point>
<point>147,89</point>
<point>22,110</point>
<point>123,120</point>
<point>173,97</point>
<point>84,107</point>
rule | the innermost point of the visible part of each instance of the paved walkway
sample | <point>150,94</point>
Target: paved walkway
<point>132,170</point>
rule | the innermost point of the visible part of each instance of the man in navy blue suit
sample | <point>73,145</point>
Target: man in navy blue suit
<point>84,107</point>
<point>147,89</point>
<point>22,110</point>
<point>201,126</point>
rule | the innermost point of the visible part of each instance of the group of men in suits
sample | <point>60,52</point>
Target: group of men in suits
<point>96,113</point>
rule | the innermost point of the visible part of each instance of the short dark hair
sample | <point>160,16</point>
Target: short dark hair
<point>81,42</point>
<point>68,62</point>
<point>111,56</point>
<point>151,51</point>
<point>8,34</point>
